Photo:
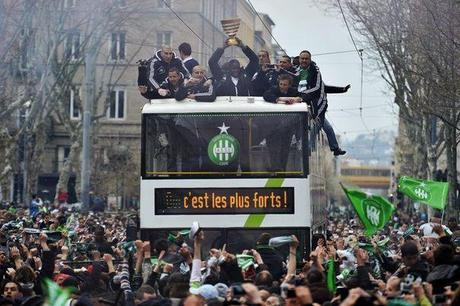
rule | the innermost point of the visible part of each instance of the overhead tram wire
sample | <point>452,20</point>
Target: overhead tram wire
<point>170,8</point>
<point>266,27</point>
<point>335,52</point>
<point>360,54</point>
<point>359,51</point>
<point>355,108</point>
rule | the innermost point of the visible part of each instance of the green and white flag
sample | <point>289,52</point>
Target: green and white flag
<point>55,295</point>
<point>173,237</point>
<point>244,261</point>
<point>430,193</point>
<point>374,211</point>
<point>370,248</point>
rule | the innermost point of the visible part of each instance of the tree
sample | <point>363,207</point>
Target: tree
<point>418,62</point>
<point>43,49</point>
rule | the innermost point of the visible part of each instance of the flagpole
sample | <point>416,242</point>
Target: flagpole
<point>442,216</point>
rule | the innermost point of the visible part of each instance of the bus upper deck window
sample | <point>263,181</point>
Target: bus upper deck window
<point>225,145</point>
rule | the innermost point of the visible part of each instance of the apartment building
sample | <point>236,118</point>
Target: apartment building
<point>116,135</point>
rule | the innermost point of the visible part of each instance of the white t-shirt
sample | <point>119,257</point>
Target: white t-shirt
<point>427,230</point>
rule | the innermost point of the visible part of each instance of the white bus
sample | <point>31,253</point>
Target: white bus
<point>239,166</point>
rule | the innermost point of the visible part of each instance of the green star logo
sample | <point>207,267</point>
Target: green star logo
<point>223,148</point>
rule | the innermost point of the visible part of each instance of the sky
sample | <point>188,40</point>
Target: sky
<point>303,24</point>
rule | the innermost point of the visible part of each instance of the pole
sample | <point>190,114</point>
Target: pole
<point>90,83</point>
<point>25,159</point>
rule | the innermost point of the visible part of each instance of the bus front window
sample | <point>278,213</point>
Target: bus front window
<point>224,144</point>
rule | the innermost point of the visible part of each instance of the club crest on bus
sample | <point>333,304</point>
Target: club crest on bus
<point>223,148</point>
<point>373,212</point>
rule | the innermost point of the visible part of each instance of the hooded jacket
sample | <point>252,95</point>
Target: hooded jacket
<point>202,93</point>
<point>157,69</point>
<point>172,88</point>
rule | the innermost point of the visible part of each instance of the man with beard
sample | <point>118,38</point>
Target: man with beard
<point>313,91</point>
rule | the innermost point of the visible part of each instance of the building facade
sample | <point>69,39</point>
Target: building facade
<point>116,134</point>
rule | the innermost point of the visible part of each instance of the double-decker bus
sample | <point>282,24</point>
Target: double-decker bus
<point>239,166</point>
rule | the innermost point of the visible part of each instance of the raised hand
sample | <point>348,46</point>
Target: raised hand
<point>107,258</point>
<point>139,245</point>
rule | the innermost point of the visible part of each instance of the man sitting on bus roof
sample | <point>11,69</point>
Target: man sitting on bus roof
<point>237,81</point>
<point>171,85</point>
<point>154,71</point>
<point>283,92</point>
<point>198,87</point>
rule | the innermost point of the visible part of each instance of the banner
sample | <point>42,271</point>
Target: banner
<point>430,193</point>
<point>374,211</point>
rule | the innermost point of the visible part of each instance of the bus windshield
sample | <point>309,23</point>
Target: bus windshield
<point>210,145</point>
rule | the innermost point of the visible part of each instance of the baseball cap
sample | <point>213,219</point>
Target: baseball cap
<point>206,291</point>
<point>221,289</point>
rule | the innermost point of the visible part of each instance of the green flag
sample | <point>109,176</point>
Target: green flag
<point>178,237</point>
<point>244,261</point>
<point>374,211</point>
<point>331,286</point>
<point>56,295</point>
<point>410,230</point>
<point>370,248</point>
<point>430,193</point>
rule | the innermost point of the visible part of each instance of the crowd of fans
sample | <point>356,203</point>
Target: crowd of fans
<point>167,76</point>
<point>98,258</point>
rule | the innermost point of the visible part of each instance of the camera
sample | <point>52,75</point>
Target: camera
<point>407,284</point>
<point>406,288</point>
<point>271,66</point>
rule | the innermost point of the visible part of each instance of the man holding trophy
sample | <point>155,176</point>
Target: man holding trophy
<point>237,80</point>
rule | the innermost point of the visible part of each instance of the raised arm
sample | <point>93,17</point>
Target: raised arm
<point>213,62</point>
<point>253,65</point>
<point>336,89</point>
<point>292,256</point>
<point>195,277</point>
